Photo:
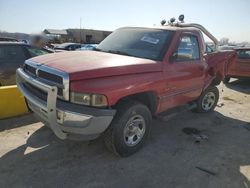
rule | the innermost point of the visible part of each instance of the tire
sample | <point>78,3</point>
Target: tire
<point>117,138</point>
<point>226,80</point>
<point>207,100</point>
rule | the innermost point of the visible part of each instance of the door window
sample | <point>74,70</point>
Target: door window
<point>209,49</point>
<point>188,49</point>
<point>243,54</point>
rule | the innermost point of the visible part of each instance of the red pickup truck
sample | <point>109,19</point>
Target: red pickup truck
<point>239,67</point>
<point>135,73</point>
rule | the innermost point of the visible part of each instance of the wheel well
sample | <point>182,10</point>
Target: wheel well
<point>147,98</point>
<point>217,76</point>
<point>216,81</point>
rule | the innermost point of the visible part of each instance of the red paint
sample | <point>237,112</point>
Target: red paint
<point>239,67</point>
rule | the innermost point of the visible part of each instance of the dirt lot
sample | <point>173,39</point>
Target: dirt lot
<point>31,156</point>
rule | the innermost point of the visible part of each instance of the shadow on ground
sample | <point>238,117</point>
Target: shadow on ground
<point>242,86</point>
<point>170,158</point>
<point>11,123</point>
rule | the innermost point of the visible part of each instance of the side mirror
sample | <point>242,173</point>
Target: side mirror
<point>205,56</point>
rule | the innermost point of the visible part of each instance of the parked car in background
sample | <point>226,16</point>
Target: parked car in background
<point>67,47</point>
<point>25,41</point>
<point>226,47</point>
<point>88,46</point>
<point>12,56</point>
<point>8,39</point>
<point>240,66</point>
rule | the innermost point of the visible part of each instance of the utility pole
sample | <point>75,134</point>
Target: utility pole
<point>80,30</point>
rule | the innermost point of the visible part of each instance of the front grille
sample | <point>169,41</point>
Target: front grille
<point>35,91</point>
<point>48,76</point>
<point>30,70</point>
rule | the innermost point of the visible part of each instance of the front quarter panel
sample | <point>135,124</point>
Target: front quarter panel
<point>117,87</point>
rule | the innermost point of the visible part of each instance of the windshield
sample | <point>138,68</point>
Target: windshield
<point>137,42</point>
<point>36,51</point>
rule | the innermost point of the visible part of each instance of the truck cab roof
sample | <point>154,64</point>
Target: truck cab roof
<point>171,28</point>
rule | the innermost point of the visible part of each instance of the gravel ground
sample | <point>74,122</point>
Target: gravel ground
<point>218,156</point>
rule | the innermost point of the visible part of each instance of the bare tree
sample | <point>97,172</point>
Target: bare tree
<point>224,41</point>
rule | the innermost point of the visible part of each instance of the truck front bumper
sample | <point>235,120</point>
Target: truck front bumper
<point>64,118</point>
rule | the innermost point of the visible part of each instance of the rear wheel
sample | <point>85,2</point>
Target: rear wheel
<point>208,100</point>
<point>129,129</point>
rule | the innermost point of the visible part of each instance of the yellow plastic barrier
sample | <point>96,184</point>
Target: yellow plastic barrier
<point>12,102</point>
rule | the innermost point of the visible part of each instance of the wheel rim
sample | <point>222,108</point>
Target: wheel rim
<point>134,130</point>
<point>208,101</point>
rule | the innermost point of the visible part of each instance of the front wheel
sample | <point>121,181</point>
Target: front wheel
<point>129,129</point>
<point>208,100</point>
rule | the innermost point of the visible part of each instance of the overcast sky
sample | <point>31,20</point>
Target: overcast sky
<point>223,18</point>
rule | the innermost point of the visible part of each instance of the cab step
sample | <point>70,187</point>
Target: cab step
<point>169,114</point>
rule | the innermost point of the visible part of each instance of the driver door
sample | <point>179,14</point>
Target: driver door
<point>185,73</point>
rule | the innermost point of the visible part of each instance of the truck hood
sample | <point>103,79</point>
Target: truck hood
<point>93,64</point>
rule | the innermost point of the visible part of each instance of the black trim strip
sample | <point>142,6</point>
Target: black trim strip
<point>180,92</point>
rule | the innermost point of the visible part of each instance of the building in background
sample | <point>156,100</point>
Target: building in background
<point>87,36</point>
<point>84,36</point>
<point>57,35</point>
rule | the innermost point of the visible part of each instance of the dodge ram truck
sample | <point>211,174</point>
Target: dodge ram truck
<point>113,91</point>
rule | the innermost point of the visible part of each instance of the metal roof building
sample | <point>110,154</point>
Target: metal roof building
<point>55,32</point>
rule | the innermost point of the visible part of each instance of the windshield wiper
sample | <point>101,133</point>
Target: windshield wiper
<point>112,51</point>
<point>118,52</point>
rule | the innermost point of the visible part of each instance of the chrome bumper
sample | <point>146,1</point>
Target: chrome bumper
<point>63,121</point>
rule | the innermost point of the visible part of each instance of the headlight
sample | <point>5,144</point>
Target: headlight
<point>89,99</point>
<point>80,98</point>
